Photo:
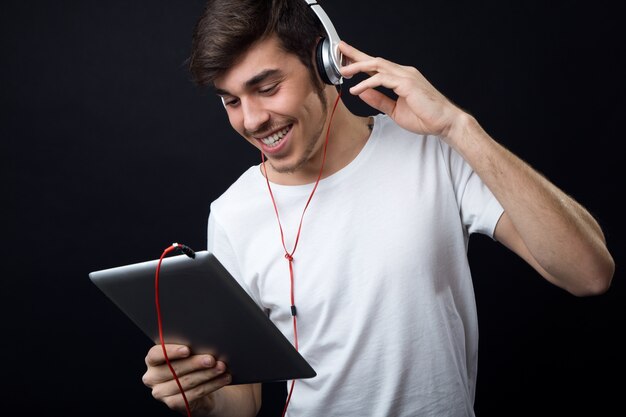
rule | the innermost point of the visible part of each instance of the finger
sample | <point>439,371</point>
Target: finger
<point>376,65</point>
<point>377,80</point>
<point>352,53</point>
<point>181,367</point>
<point>201,392</point>
<point>192,380</point>
<point>378,100</point>
<point>155,356</point>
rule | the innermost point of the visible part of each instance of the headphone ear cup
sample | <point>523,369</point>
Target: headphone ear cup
<point>323,61</point>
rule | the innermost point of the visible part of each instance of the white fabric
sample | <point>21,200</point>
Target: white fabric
<point>386,309</point>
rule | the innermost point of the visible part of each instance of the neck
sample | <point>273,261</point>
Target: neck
<point>348,135</point>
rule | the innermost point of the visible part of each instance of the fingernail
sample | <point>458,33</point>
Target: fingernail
<point>207,361</point>
<point>183,350</point>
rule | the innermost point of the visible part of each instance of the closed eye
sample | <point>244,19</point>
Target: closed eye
<point>266,91</point>
<point>269,89</point>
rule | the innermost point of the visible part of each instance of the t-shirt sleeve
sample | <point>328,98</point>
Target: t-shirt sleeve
<point>219,245</point>
<point>479,209</point>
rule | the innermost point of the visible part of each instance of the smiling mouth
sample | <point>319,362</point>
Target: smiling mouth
<point>273,139</point>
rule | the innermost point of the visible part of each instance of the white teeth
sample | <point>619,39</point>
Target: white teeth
<point>272,140</point>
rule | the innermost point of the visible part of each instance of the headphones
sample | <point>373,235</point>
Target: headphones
<point>327,53</point>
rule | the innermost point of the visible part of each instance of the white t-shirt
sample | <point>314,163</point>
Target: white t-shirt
<point>385,302</point>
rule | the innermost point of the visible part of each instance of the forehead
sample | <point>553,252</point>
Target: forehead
<point>260,57</point>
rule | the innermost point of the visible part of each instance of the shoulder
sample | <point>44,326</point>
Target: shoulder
<point>391,137</point>
<point>239,192</point>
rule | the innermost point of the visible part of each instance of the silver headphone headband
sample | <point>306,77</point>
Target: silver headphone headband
<point>333,37</point>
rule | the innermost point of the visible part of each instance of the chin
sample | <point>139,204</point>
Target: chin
<point>284,168</point>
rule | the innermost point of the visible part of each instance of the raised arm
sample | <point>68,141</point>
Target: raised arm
<point>546,227</point>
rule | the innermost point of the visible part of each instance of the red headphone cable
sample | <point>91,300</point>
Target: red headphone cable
<point>190,253</point>
<point>289,255</point>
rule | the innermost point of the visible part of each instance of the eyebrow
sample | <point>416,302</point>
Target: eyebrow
<point>255,80</point>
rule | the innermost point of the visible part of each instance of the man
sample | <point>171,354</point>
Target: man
<point>380,210</point>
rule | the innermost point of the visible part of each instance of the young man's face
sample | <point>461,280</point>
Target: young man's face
<point>271,101</point>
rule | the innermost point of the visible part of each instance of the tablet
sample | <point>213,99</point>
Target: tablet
<point>205,308</point>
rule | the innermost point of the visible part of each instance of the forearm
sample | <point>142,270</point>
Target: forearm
<point>237,401</point>
<point>560,234</point>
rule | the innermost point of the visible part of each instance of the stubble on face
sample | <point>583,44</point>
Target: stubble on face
<point>311,142</point>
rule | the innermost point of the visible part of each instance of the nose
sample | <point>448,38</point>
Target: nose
<point>254,115</point>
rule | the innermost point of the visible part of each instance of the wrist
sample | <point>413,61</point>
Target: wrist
<point>462,127</point>
<point>459,123</point>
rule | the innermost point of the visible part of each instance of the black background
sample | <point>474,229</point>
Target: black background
<point>110,154</point>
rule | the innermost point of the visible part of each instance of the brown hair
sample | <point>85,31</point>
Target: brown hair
<point>227,28</point>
